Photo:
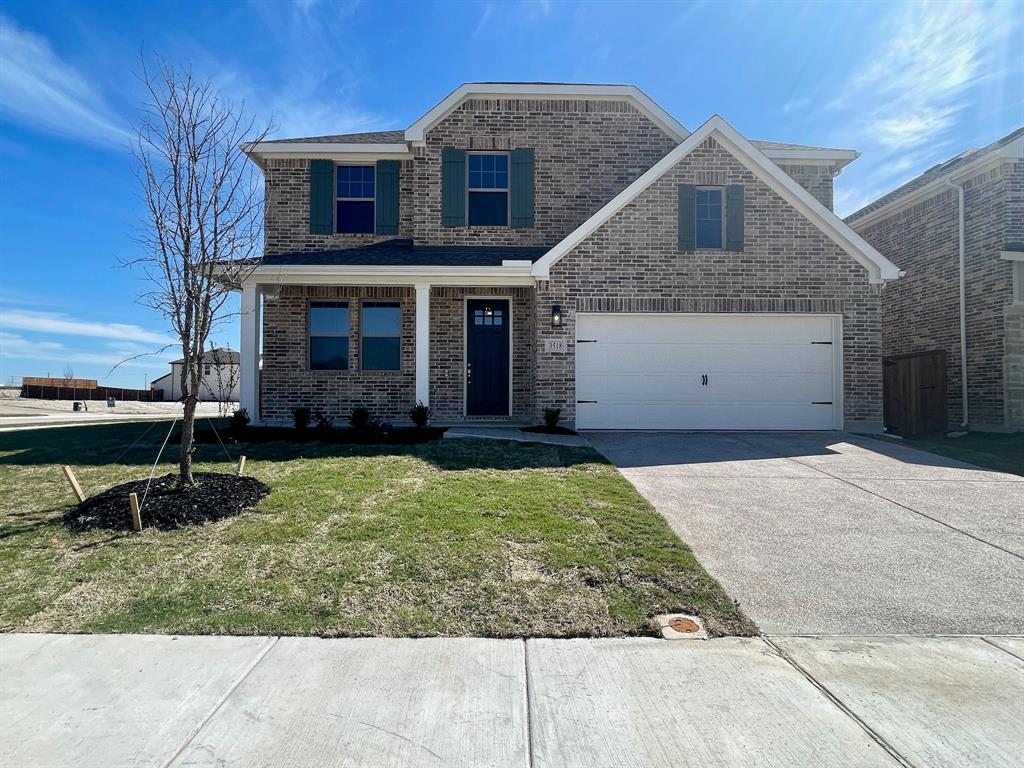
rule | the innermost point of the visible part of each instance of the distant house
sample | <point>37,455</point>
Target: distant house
<point>220,378</point>
<point>958,232</point>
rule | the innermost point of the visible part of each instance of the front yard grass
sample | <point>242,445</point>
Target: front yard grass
<point>454,537</point>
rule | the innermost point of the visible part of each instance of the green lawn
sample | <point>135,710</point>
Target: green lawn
<point>455,537</point>
<point>1003,453</point>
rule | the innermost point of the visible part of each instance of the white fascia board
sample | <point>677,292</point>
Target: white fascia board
<point>418,130</point>
<point>879,268</point>
<point>1005,154</point>
<point>308,274</point>
<point>318,150</point>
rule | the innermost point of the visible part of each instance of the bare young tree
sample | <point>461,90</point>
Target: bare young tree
<point>226,375</point>
<point>69,374</point>
<point>202,232</point>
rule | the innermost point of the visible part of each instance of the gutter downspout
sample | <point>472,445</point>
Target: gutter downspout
<point>963,299</point>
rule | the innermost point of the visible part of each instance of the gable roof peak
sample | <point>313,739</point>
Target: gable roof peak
<point>644,103</point>
<point>879,268</point>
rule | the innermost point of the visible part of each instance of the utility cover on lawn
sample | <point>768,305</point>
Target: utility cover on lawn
<point>213,497</point>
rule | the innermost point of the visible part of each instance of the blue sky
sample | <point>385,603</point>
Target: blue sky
<point>906,84</point>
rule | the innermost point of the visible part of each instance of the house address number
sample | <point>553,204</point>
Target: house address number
<point>554,345</point>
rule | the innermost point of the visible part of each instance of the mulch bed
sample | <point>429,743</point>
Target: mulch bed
<point>215,496</point>
<point>394,436</point>
<point>544,429</point>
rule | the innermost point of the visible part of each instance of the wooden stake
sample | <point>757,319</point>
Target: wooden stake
<point>136,517</point>
<point>241,465</point>
<point>74,483</point>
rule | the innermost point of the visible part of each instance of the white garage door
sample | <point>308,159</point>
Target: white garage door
<point>650,371</point>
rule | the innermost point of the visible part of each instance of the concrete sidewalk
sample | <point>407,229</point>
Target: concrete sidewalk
<point>93,700</point>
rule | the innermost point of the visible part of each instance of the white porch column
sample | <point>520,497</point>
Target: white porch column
<point>423,343</point>
<point>249,352</point>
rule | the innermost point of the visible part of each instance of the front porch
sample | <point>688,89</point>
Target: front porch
<point>461,344</point>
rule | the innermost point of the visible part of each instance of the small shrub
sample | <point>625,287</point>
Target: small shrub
<point>240,419</point>
<point>420,415</point>
<point>551,417</point>
<point>359,418</point>
<point>323,421</point>
<point>301,417</point>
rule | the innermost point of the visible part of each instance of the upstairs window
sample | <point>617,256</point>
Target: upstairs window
<point>328,336</point>
<point>355,199</point>
<point>382,336</point>
<point>487,189</point>
<point>710,229</point>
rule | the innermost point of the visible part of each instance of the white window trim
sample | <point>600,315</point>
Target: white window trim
<point>363,335</point>
<point>1016,259</point>
<point>720,189</point>
<point>355,199</point>
<point>507,189</point>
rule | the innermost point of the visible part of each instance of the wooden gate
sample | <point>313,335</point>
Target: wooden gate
<point>914,393</point>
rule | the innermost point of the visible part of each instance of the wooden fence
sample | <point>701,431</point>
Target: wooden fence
<point>91,393</point>
<point>914,393</point>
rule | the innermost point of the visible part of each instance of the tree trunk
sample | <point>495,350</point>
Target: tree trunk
<point>188,428</point>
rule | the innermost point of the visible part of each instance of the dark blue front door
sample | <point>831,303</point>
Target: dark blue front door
<point>487,351</point>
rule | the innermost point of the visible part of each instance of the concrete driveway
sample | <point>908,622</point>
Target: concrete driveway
<point>829,533</point>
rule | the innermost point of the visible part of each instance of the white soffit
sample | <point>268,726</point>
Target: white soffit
<point>879,268</point>
<point>417,131</point>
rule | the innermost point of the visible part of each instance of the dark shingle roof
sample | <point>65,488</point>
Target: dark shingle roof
<point>935,172</point>
<point>372,137</point>
<point>403,253</point>
<point>784,145</point>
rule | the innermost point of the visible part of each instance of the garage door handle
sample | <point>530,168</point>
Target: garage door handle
<point>704,380</point>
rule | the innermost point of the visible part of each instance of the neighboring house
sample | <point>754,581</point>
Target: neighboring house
<point>530,245</point>
<point>220,382</point>
<point>919,227</point>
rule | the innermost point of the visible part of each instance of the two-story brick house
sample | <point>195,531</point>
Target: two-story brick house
<point>531,245</point>
<point>958,232</point>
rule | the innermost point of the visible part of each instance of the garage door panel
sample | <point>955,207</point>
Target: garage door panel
<point>648,371</point>
<point>676,416</point>
<point>797,389</point>
<point>679,358</point>
<point>712,329</point>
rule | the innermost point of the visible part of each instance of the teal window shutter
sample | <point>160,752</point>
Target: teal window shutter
<point>734,217</point>
<point>521,188</point>
<point>321,197</point>
<point>453,187</point>
<point>687,217</point>
<point>387,197</point>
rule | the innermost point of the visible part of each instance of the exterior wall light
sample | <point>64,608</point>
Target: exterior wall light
<point>488,311</point>
<point>556,315</point>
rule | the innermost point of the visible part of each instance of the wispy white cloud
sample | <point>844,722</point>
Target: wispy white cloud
<point>54,322</point>
<point>42,92</point>
<point>794,105</point>
<point>902,102</point>
<point>17,347</point>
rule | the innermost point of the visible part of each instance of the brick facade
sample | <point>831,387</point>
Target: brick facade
<point>585,153</point>
<point>632,263</point>
<point>448,349</point>
<point>287,381</point>
<point>816,179</point>
<point>921,311</point>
